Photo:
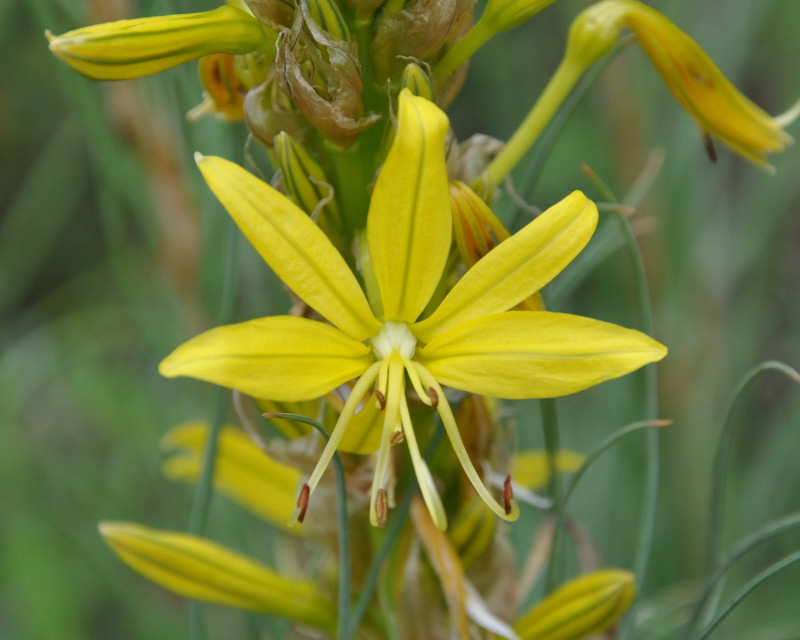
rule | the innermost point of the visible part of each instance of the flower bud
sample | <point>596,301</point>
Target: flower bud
<point>134,48</point>
<point>305,181</point>
<point>417,81</point>
<point>584,607</point>
<point>328,17</point>
<point>500,15</point>
<point>202,570</point>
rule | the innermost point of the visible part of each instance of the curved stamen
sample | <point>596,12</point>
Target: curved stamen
<point>426,483</point>
<point>356,395</point>
<point>446,414</point>
<point>415,382</point>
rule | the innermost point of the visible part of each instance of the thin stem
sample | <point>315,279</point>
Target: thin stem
<point>745,591</point>
<point>723,454</point>
<point>652,459</point>
<point>461,52</point>
<point>552,444</point>
<point>203,488</point>
<point>763,535</point>
<point>553,96</point>
<point>343,621</point>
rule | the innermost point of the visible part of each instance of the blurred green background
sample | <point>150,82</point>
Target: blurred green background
<point>111,255</point>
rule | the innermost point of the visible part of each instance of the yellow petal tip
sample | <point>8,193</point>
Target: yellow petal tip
<point>198,158</point>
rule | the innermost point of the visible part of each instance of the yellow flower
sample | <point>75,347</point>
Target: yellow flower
<point>134,48</point>
<point>696,82</point>
<point>469,342</point>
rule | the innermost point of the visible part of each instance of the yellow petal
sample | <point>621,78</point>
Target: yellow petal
<point>280,358</point>
<point>140,47</point>
<point>517,267</point>
<point>292,245</point>
<point>242,471</point>
<point>531,469</point>
<point>535,354</point>
<point>584,607</point>
<point>409,222</point>
<point>200,569</point>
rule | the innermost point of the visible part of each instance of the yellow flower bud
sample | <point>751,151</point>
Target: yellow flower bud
<point>202,570</point>
<point>477,231</point>
<point>134,48</point>
<point>326,14</point>
<point>305,181</point>
<point>584,607</point>
<point>500,15</point>
<point>417,81</point>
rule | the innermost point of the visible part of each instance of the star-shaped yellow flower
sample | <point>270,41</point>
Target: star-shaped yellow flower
<point>469,342</point>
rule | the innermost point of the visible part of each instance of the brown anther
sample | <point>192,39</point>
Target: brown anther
<point>382,507</point>
<point>710,150</point>
<point>397,438</point>
<point>434,397</point>
<point>381,399</point>
<point>508,494</point>
<point>302,502</point>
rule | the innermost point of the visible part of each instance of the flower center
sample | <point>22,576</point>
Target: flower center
<point>394,336</point>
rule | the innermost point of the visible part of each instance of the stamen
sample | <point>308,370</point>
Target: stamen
<point>450,426</point>
<point>381,399</point>
<point>397,438</point>
<point>302,503</point>
<point>414,377</point>
<point>382,508</point>
<point>508,494</point>
<point>427,485</point>
<point>356,395</point>
<point>434,397</point>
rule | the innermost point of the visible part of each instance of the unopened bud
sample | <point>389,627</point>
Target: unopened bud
<point>304,178</point>
<point>477,229</point>
<point>134,48</point>
<point>328,17</point>
<point>417,81</point>
<point>584,607</point>
<point>593,33</point>
<point>500,15</point>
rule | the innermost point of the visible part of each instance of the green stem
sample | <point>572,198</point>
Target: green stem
<point>764,535</point>
<point>549,102</point>
<point>723,454</point>
<point>552,444</point>
<point>461,52</point>
<point>203,488</point>
<point>747,589</point>
<point>647,527</point>
<point>343,617</point>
